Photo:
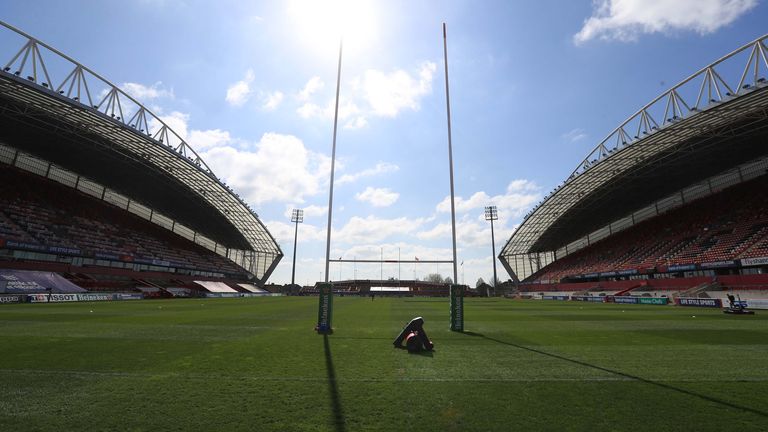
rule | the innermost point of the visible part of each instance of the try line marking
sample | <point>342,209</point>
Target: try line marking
<point>210,376</point>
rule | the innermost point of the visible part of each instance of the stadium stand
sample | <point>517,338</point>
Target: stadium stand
<point>673,202</point>
<point>726,226</point>
<point>40,212</point>
<point>106,194</point>
<point>39,216</point>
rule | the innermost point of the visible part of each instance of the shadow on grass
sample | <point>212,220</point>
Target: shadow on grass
<point>425,353</point>
<point>333,389</point>
<point>625,375</point>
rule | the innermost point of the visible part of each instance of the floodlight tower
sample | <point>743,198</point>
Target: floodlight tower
<point>491,215</point>
<point>297,217</point>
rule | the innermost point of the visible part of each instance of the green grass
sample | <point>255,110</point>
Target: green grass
<point>256,364</point>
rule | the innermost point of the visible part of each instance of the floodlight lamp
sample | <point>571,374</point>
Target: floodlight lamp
<point>297,216</point>
<point>491,213</point>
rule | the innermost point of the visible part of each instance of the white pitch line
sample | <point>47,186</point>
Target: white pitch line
<point>108,374</point>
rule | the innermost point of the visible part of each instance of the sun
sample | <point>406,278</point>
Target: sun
<point>322,23</point>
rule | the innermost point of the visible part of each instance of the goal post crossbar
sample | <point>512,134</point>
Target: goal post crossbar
<point>393,261</point>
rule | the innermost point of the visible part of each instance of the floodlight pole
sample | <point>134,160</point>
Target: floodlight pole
<point>297,217</point>
<point>491,215</point>
<point>450,155</point>
<point>333,165</point>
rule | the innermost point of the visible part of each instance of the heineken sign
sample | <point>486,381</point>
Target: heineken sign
<point>325,308</point>
<point>457,308</point>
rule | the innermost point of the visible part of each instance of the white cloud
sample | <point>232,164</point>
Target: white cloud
<point>388,94</point>
<point>239,92</point>
<point>378,197</point>
<point>283,233</point>
<point>277,168</point>
<point>202,140</point>
<point>311,87</point>
<point>356,123</point>
<point>376,93</point>
<point>574,135</point>
<point>176,120</point>
<point>470,232</point>
<point>407,251</point>
<point>520,196</point>
<point>380,168</point>
<point>438,231</point>
<point>625,20</point>
<point>309,110</point>
<point>477,200</point>
<point>522,185</point>
<point>372,229</point>
<point>272,100</point>
<point>347,109</point>
<point>145,93</point>
<point>310,212</point>
<point>280,169</point>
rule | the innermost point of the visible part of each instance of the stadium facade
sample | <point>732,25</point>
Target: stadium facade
<point>702,136</point>
<point>63,122</point>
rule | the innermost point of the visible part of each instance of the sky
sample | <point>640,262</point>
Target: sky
<point>534,87</point>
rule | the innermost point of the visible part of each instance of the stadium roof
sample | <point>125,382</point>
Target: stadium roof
<point>60,111</point>
<point>701,127</point>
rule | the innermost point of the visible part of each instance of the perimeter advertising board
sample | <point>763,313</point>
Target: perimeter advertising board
<point>641,300</point>
<point>681,267</point>
<point>654,300</point>
<point>756,304</point>
<point>759,261</point>
<point>10,298</point>
<point>325,308</point>
<point>594,299</point>
<point>555,297</point>
<point>457,307</point>
<point>701,302</point>
<point>95,297</point>
<point>127,296</point>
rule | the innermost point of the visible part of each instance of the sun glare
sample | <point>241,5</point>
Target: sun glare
<point>321,23</point>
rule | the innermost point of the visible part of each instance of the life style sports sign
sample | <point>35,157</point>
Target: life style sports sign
<point>700,302</point>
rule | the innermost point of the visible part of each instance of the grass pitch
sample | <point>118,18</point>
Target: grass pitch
<point>256,364</point>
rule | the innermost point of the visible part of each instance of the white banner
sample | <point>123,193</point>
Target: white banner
<point>10,298</point>
<point>757,304</point>
<point>754,261</point>
<point>37,298</point>
<point>94,297</point>
<point>63,297</point>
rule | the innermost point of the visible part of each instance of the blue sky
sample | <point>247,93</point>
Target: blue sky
<point>534,87</point>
